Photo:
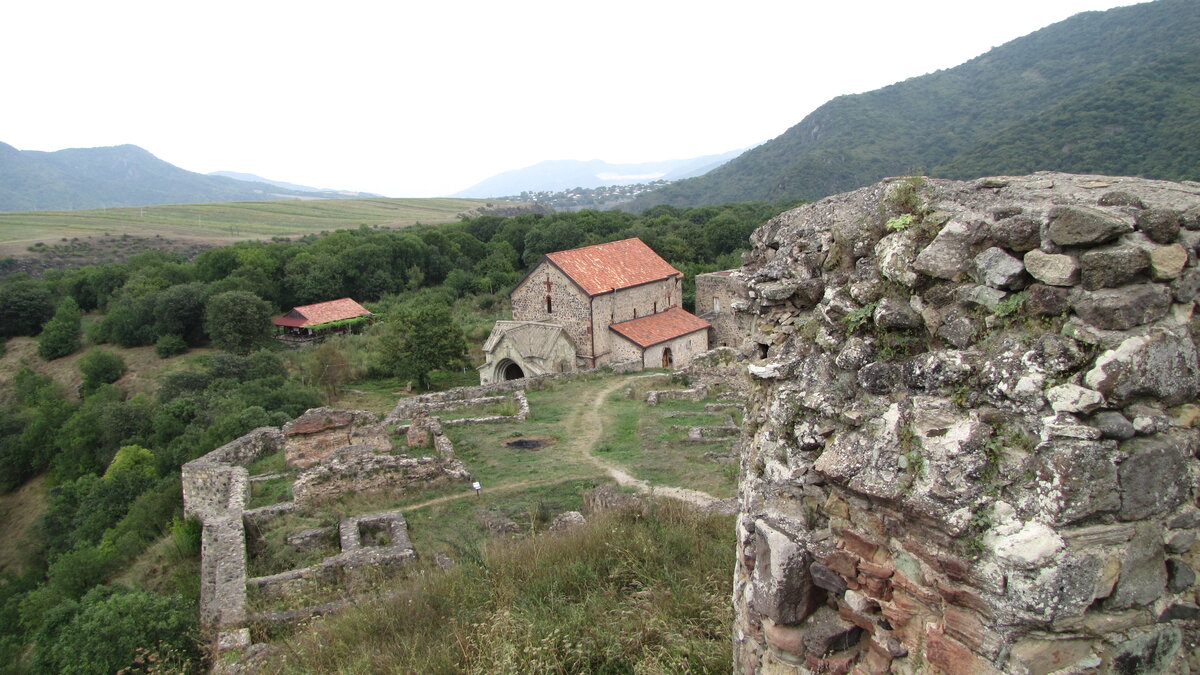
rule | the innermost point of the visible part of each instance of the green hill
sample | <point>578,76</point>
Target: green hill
<point>124,175</point>
<point>1047,79</point>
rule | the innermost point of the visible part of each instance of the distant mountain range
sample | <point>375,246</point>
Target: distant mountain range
<point>1113,92</point>
<point>565,174</point>
<point>124,175</point>
<point>251,178</point>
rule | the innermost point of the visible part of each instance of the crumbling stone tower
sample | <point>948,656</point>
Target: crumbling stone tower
<point>971,445</point>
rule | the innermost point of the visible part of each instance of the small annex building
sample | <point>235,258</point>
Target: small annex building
<point>311,322</point>
<point>592,306</point>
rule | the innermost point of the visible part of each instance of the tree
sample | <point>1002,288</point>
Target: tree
<point>24,306</point>
<point>237,321</point>
<point>100,367</point>
<point>60,337</point>
<point>420,340</point>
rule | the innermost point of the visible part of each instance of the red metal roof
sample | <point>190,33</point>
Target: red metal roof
<point>651,330</point>
<point>615,265</point>
<point>321,312</point>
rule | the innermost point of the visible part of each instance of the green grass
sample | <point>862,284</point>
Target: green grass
<point>631,592</point>
<point>640,439</point>
<point>231,221</point>
<point>267,492</point>
<point>275,462</point>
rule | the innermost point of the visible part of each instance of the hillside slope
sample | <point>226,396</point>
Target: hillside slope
<point>123,175</point>
<point>932,120</point>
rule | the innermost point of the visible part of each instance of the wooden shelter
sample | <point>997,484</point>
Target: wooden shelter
<point>310,323</point>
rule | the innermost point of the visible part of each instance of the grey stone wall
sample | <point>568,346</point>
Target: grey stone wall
<point>716,293</point>
<point>970,441</point>
<point>570,307</point>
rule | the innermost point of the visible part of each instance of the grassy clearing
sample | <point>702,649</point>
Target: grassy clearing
<point>226,222</point>
<point>629,592</point>
<point>641,439</point>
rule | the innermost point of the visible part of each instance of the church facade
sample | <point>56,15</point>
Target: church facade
<point>611,303</point>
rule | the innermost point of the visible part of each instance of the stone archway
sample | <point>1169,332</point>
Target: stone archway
<point>509,370</point>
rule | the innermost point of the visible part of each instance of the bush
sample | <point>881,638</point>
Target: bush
<point>60,337</point>
<point>100,367</point>
<point>170,345</point>
<point>114,628</point>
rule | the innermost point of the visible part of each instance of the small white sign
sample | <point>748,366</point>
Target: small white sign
<point>477,486</point>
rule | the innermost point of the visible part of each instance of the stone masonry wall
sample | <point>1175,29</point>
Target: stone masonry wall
<point>970,441</point>
<point>569,306</point>
<point>715,294</point>
<point>320,431</point>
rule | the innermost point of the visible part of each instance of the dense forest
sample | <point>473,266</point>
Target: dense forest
<point>113,456</point>
<point>1114,82</point>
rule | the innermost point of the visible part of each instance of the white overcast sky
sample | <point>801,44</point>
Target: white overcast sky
<point>414,99</point>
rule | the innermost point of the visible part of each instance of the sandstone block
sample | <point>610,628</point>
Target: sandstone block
<point>947,256</point>
<point>1167,262</point>
<point>1072,398</point>
<point>1143,572</point>
<point>996,268</point>
<point>1112,266</point>
<point>1017,233</point>
<point>1146,489</point>
<point>1076,225</point>
<point>1041,657</point>
<point>1123,308</point>
<point>1161,364</point>
<point>783,589</point>
<point>1161,225</point>
<point>1054,269</point>
<point>896,254</point>
<point>825,632</point>
<point>1043,300</point>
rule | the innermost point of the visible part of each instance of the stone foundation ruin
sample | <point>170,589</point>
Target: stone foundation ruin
<point>971,443</point>
<point>335,452</point>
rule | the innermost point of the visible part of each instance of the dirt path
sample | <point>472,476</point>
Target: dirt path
<point>590,426</point>
<point>587,424</point>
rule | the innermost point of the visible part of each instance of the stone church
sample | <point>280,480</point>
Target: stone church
<point>588,307</point>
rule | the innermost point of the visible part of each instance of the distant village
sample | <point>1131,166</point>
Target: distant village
<point>575,199</point>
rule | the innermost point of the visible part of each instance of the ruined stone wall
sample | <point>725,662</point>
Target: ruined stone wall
<point>357,469</point>
<point>320,431</point>
<point>970,442</point>
<point>570,306</point>
<point>715,294</point>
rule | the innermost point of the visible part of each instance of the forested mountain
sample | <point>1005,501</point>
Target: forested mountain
<point>565,174</point>
<point>1102,84</point>
<point>123,175</point>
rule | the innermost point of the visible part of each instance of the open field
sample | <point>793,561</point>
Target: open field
<point>224,223</point>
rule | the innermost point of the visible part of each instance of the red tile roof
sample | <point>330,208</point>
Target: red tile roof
<point>321,312</point>
<point>651,330</point>
<point>615,265</point>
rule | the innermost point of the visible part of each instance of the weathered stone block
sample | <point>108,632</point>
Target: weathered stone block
<point>1054,269</point>
<point>1075,225</point>
<point>948,255</point>
<point>1149,477</point>
<point>1112,266</point>
<point>1123,308</point>
<point>1148,654</point>
<point>996,268</point>
<point>1161,364</point>
<point>1161,225</point>
<point>1143,572</point>
<point>783,588</point>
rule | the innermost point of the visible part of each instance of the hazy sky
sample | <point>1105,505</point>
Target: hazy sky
<point>412,99</point>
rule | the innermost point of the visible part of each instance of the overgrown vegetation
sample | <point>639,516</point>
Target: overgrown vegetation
<point>632,591</point>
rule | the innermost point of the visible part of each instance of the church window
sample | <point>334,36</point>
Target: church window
<point>549,305</point>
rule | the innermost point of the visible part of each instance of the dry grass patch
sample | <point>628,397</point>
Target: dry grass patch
<point>19,514</point>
